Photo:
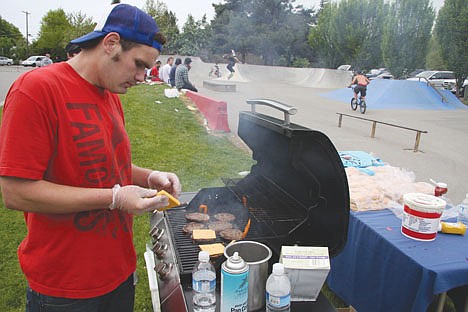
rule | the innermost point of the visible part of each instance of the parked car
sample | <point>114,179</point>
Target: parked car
<point>35,60</point>
<point>381,73</point>
<point>344,67</point>
<point>438,78</point>
<point>414,73</point>
<point>384,75</point>
<point>5,61</point>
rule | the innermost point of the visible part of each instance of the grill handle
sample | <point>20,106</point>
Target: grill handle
<point>286,109</point>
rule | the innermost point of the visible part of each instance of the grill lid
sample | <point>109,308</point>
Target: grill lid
<point>305,165</point>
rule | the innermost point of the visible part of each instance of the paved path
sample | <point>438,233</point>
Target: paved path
<point>8,74</point>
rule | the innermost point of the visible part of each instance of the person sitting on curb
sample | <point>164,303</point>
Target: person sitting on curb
<point>154,73</point>
<point>178,61</point>
<point>181,76</point>
<point>166,70</point>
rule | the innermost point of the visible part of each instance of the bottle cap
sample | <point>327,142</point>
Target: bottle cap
<point>278,269</point>
<point>203,256</point>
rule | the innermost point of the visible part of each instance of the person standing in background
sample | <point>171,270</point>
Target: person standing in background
<point>46,61</point>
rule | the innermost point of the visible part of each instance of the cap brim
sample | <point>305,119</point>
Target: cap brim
<point>88,37</point>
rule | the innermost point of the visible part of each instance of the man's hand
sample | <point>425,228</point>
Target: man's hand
<point>136,200</point>
<point>167,181</point>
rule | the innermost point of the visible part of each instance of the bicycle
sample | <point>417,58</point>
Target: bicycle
<point>361,102</point>
<point>215,72</point>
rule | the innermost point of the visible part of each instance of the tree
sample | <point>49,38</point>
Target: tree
<point>194,37</point>
<point>406,36</point>
<point>451,32</point>
<point>274,30</point>
<point>349,32</point>
<point>322,37</point>
<point>434,59</point>
<point>12,41</point>
<point>52,34</point>
<point>57,29</point>
<point>80,25</point>
<point>167,23</point>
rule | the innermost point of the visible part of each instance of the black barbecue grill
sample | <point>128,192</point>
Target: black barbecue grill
<point>296,193</point>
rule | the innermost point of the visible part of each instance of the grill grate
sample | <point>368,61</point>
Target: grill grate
<point>245,202</point>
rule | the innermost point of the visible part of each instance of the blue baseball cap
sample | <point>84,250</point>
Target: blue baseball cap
<point>129,22</point>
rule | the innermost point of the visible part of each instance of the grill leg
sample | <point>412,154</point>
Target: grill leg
<point>340,120</point>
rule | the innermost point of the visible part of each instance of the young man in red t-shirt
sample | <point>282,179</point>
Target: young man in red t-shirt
<point>154,73</point>
<point>65,161</point>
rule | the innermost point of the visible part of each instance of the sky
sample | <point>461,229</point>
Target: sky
<point>14,11</point>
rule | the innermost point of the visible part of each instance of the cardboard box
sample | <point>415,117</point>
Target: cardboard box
<point>307,268</point>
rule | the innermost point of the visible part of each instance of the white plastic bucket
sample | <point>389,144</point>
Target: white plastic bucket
<point>421,216</point>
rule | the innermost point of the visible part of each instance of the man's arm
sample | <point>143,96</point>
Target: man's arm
<point>140,176</point>
<point>47,197</point>
<point>158,180</point>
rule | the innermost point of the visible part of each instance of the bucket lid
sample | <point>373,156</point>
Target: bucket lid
<point>424,201</point>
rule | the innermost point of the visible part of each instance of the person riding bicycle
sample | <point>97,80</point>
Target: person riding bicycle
<point>215,71</point>
<point>361,83</point>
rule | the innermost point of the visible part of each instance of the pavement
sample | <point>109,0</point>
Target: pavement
<point>443,150</point>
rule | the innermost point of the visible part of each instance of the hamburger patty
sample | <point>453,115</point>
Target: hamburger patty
<point>197,217</point>
<point>231,234</point>
<point>224,216</point>
<point>218,226</point>
<point>189,227</point>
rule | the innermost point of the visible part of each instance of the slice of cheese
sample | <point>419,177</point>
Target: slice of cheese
<point>213,249</point>
<point>203,234</point>
<point>173,202</point>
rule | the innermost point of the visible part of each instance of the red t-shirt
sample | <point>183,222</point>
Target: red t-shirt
<point>58,127</point>
<point>155,74</point>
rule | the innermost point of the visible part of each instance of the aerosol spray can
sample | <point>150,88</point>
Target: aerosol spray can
<point>234,284</point>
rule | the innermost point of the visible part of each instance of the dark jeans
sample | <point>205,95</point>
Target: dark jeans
<point>189,87</point>
<point>119,300</point>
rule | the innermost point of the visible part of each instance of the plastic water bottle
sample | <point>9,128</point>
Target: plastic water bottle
<point>463,211</point>
<point>204,284</point>
<point>278,289</point>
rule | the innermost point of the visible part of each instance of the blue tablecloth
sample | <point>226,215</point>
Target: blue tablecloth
<point>382,270</point>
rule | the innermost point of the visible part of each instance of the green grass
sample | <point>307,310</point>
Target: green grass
<point>167,137</point>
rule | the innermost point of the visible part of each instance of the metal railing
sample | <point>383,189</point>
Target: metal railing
<point>374,126</point>
<point>433,87</point>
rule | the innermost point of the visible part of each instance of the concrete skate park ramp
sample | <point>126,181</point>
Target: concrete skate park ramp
<point>305,77</point>
<point>401,94</point>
